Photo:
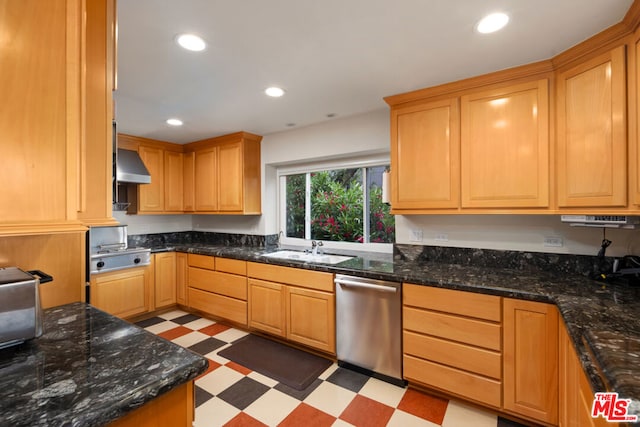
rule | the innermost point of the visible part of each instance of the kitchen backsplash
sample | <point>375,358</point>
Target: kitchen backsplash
<point>525,261</point>
<point>160,240</point>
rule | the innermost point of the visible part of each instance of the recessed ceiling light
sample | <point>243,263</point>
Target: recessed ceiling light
<point>191,42</point>
<point>174,122</point>
<point>492,23</point>
<point>274,92</point>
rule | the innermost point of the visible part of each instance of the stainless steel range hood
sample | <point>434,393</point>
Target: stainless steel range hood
<point>130,168</point>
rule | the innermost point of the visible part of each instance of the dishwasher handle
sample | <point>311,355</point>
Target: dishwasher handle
<point>354,284</point>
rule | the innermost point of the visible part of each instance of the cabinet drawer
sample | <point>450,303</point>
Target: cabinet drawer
<point>454,328</point>
<point>475,387</point>
<point>487,307</point>
<point>202,261</point>
<point>218,305</point>
<point>221,283</point>
<point>233,266</point>
<point>291,276</point>
<point>472,359</point>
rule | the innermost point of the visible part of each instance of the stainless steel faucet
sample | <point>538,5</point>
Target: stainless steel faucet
<point>315,246</point>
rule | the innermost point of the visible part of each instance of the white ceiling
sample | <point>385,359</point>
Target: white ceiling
<point>331,56</point>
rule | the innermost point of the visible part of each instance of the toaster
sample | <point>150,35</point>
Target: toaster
<point>20,309</point>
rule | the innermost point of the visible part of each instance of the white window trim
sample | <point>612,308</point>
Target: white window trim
<point>342,163</point>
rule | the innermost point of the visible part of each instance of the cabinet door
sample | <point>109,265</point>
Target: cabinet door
<point>173,181</point>
<point>42,132</point>
<point>165,279</point>
<point>206,180</point>
<point>96,175</point>
<point>576,396</point>
<point>188,183</point>
<point>230,167</point>
<point>181,278</point>
<point>505,147</point>
<point>311,318</point>
<point>425,165</point>
<point>151,196</point>
<point>591,158</point>
<point>266,307</point>
<point>531,360</point>
<point>122,293</point>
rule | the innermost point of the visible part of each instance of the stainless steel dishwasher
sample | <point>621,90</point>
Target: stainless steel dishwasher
<point>369,326</point>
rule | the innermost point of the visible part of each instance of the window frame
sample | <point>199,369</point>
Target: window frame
<point>318,166</point>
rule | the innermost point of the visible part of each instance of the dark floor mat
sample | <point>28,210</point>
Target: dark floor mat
<point>292,367</point>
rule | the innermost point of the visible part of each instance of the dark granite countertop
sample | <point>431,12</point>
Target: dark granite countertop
<point>88,369</point>
<point>601,318</point>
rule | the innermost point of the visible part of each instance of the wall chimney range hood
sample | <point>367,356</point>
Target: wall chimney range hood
<point>130,168</point>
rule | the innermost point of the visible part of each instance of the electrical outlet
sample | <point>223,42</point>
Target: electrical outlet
<point>553,241</point>
<point>441,237</point>
<point>416,235</point>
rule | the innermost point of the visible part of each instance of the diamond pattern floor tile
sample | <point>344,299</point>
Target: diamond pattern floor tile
<point>181,320</point>
<point>244,420</point>
<point>366,412</point>
<point>348,379</point>
<point>308,416</point>
<point>243,393</point>
<point>422,405</point>
<point>229,394</point>
<point>207,346</point>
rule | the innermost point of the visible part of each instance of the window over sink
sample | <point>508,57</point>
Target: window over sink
<point>339,203</point>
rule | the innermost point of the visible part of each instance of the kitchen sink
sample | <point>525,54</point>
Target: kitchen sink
<point>308,257</point>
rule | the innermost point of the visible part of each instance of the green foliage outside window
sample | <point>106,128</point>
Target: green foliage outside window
<point>337,203</point>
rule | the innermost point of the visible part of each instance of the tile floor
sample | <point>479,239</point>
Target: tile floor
<point>231,395</point>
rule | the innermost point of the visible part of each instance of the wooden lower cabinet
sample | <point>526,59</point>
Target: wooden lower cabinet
<point>311,318</point>
<point>293,303</point>
<point>452,342</point>
<point>175,409</point>
<point>123,293</point>
<point>266,307</point>
<point>576,395</point>
<point>181,278</point>
<point>531,360</point>
<point>165,279</point>
<point>217,286</point>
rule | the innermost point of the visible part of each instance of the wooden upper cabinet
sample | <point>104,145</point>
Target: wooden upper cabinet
<point>505,147</point>
<point>188,197</point>
<point>230,174</point>
<point>206,179</point>
<point>96,171</point>
<point>41,81</point>
<point>165,163</point>
<point>425,150</point>
<point>634,124</point>
<point>151,196</point>
<point>173,181</point>
<point>226,174</point>
<point>591,133</point>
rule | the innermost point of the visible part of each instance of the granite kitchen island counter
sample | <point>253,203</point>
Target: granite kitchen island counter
<point>88,369</point>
